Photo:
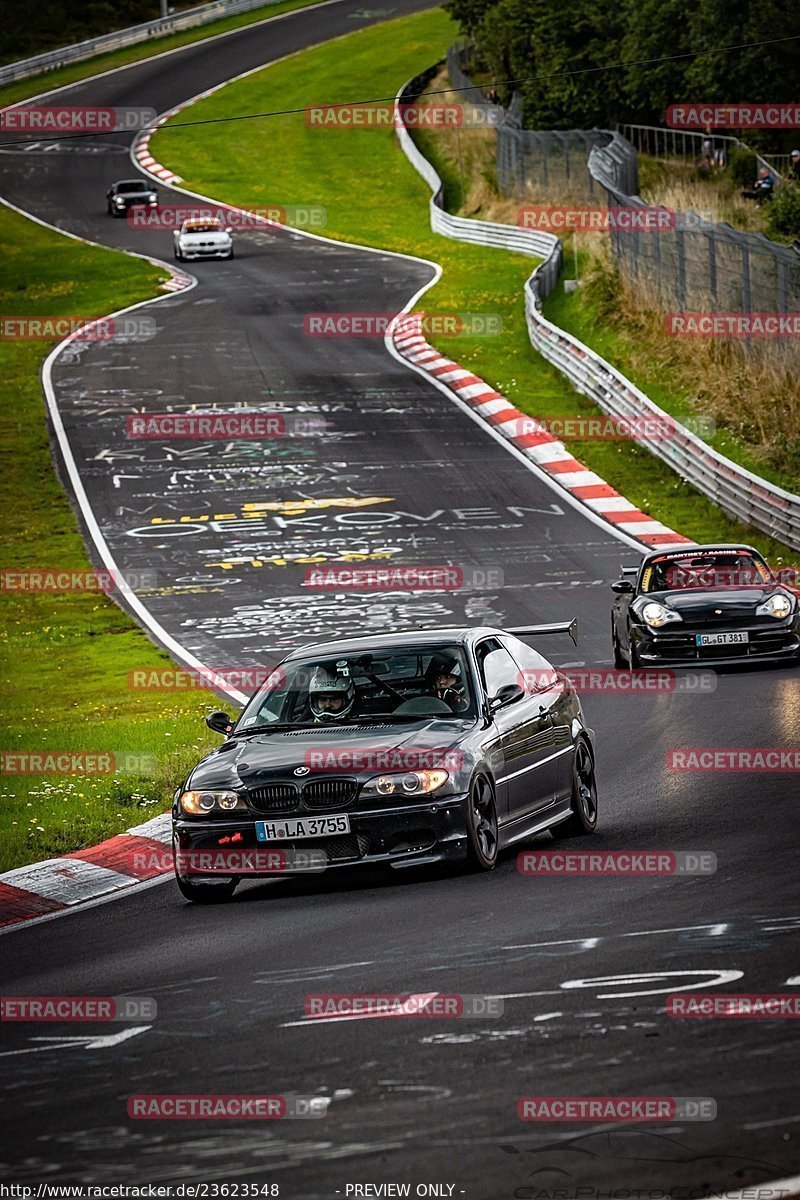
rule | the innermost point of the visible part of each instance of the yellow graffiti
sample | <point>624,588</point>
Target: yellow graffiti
<point>289,507</point>
<point>294,506</point>
<point>301,559</point>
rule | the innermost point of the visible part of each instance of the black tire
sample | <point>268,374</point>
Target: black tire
<point>619,658</point>
<point>583,820</point>
<point>482,839</point>
<point>206,893</point>
<point>231,255</point>
<point>178,256</point>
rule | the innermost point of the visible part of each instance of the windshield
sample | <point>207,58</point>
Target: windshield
<point>720,569</point>
<point>202,227</point>
<point>136,185</point>
<point>399,685</point>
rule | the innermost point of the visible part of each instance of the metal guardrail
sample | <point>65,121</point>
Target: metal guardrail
<point>203,14</point>
<point>739,492</point>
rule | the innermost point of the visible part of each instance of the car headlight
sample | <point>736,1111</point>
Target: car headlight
<point>152,198</point>
<point>200,804</point>
<point>778,606</point>
<point>405,783</point>
<point>654,614</point>
<point>118,200</point>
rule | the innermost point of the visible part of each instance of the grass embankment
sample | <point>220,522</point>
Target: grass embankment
<point>23,89</point>
<point>373,196</point>
<point>66,657</point>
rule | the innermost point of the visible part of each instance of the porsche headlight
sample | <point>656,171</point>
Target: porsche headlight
<point>200,804</point>
<point>405,783</point>
<point>778,606</point>
<point>118,200</point>
<point>654,614</point>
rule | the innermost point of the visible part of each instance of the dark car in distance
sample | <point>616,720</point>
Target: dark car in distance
<point>401,749</point>
<point>704,604</point>
<point>130,193</point>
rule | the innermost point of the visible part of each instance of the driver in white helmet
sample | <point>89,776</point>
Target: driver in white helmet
<point>331,693</point>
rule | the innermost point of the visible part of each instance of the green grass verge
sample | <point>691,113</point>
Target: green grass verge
<point>582,315</point>
<point>23,89</point>
<point>372,195</point>
<point>65,657</point>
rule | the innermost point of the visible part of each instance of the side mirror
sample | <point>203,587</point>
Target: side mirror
<point>228,229</point>
<point>220,722</point>
<point>624,586</point>
<point>508,694</point>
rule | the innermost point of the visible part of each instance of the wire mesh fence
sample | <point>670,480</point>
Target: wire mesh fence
<point>689,264</point>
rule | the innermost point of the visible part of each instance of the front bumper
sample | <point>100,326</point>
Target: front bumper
<point>675,647</point>
<point>129,204</point>
<point>197,252</point>
<point>407,836</point>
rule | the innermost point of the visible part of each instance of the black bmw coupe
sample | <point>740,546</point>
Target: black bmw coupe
<point>402,749</point>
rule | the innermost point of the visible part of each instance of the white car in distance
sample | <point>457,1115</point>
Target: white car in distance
<point>202,238</point>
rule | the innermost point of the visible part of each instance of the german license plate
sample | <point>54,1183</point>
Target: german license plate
<point>302,827</point>
<point>722,639</point>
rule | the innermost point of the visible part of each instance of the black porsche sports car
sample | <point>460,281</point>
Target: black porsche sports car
<point>130,193</point>
<point>402,749</point>
<point>703,604</point>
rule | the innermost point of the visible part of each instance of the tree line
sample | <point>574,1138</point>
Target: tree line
<point>590,63</point>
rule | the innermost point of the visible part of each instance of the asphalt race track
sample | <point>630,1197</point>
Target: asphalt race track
<point>584,964</point>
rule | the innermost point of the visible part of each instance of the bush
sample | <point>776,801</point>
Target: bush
<point>784,211</point>
<point>743,166</point>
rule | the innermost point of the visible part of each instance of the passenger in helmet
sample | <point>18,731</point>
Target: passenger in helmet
<point>443,678</point>
<point>331,693</point>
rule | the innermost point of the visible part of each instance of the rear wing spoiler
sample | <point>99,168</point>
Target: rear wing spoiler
<point>570,627</point>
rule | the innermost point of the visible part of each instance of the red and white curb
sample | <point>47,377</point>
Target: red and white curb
<point>541,447</point>
<point>59,883</point>
<point>141,150</point>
